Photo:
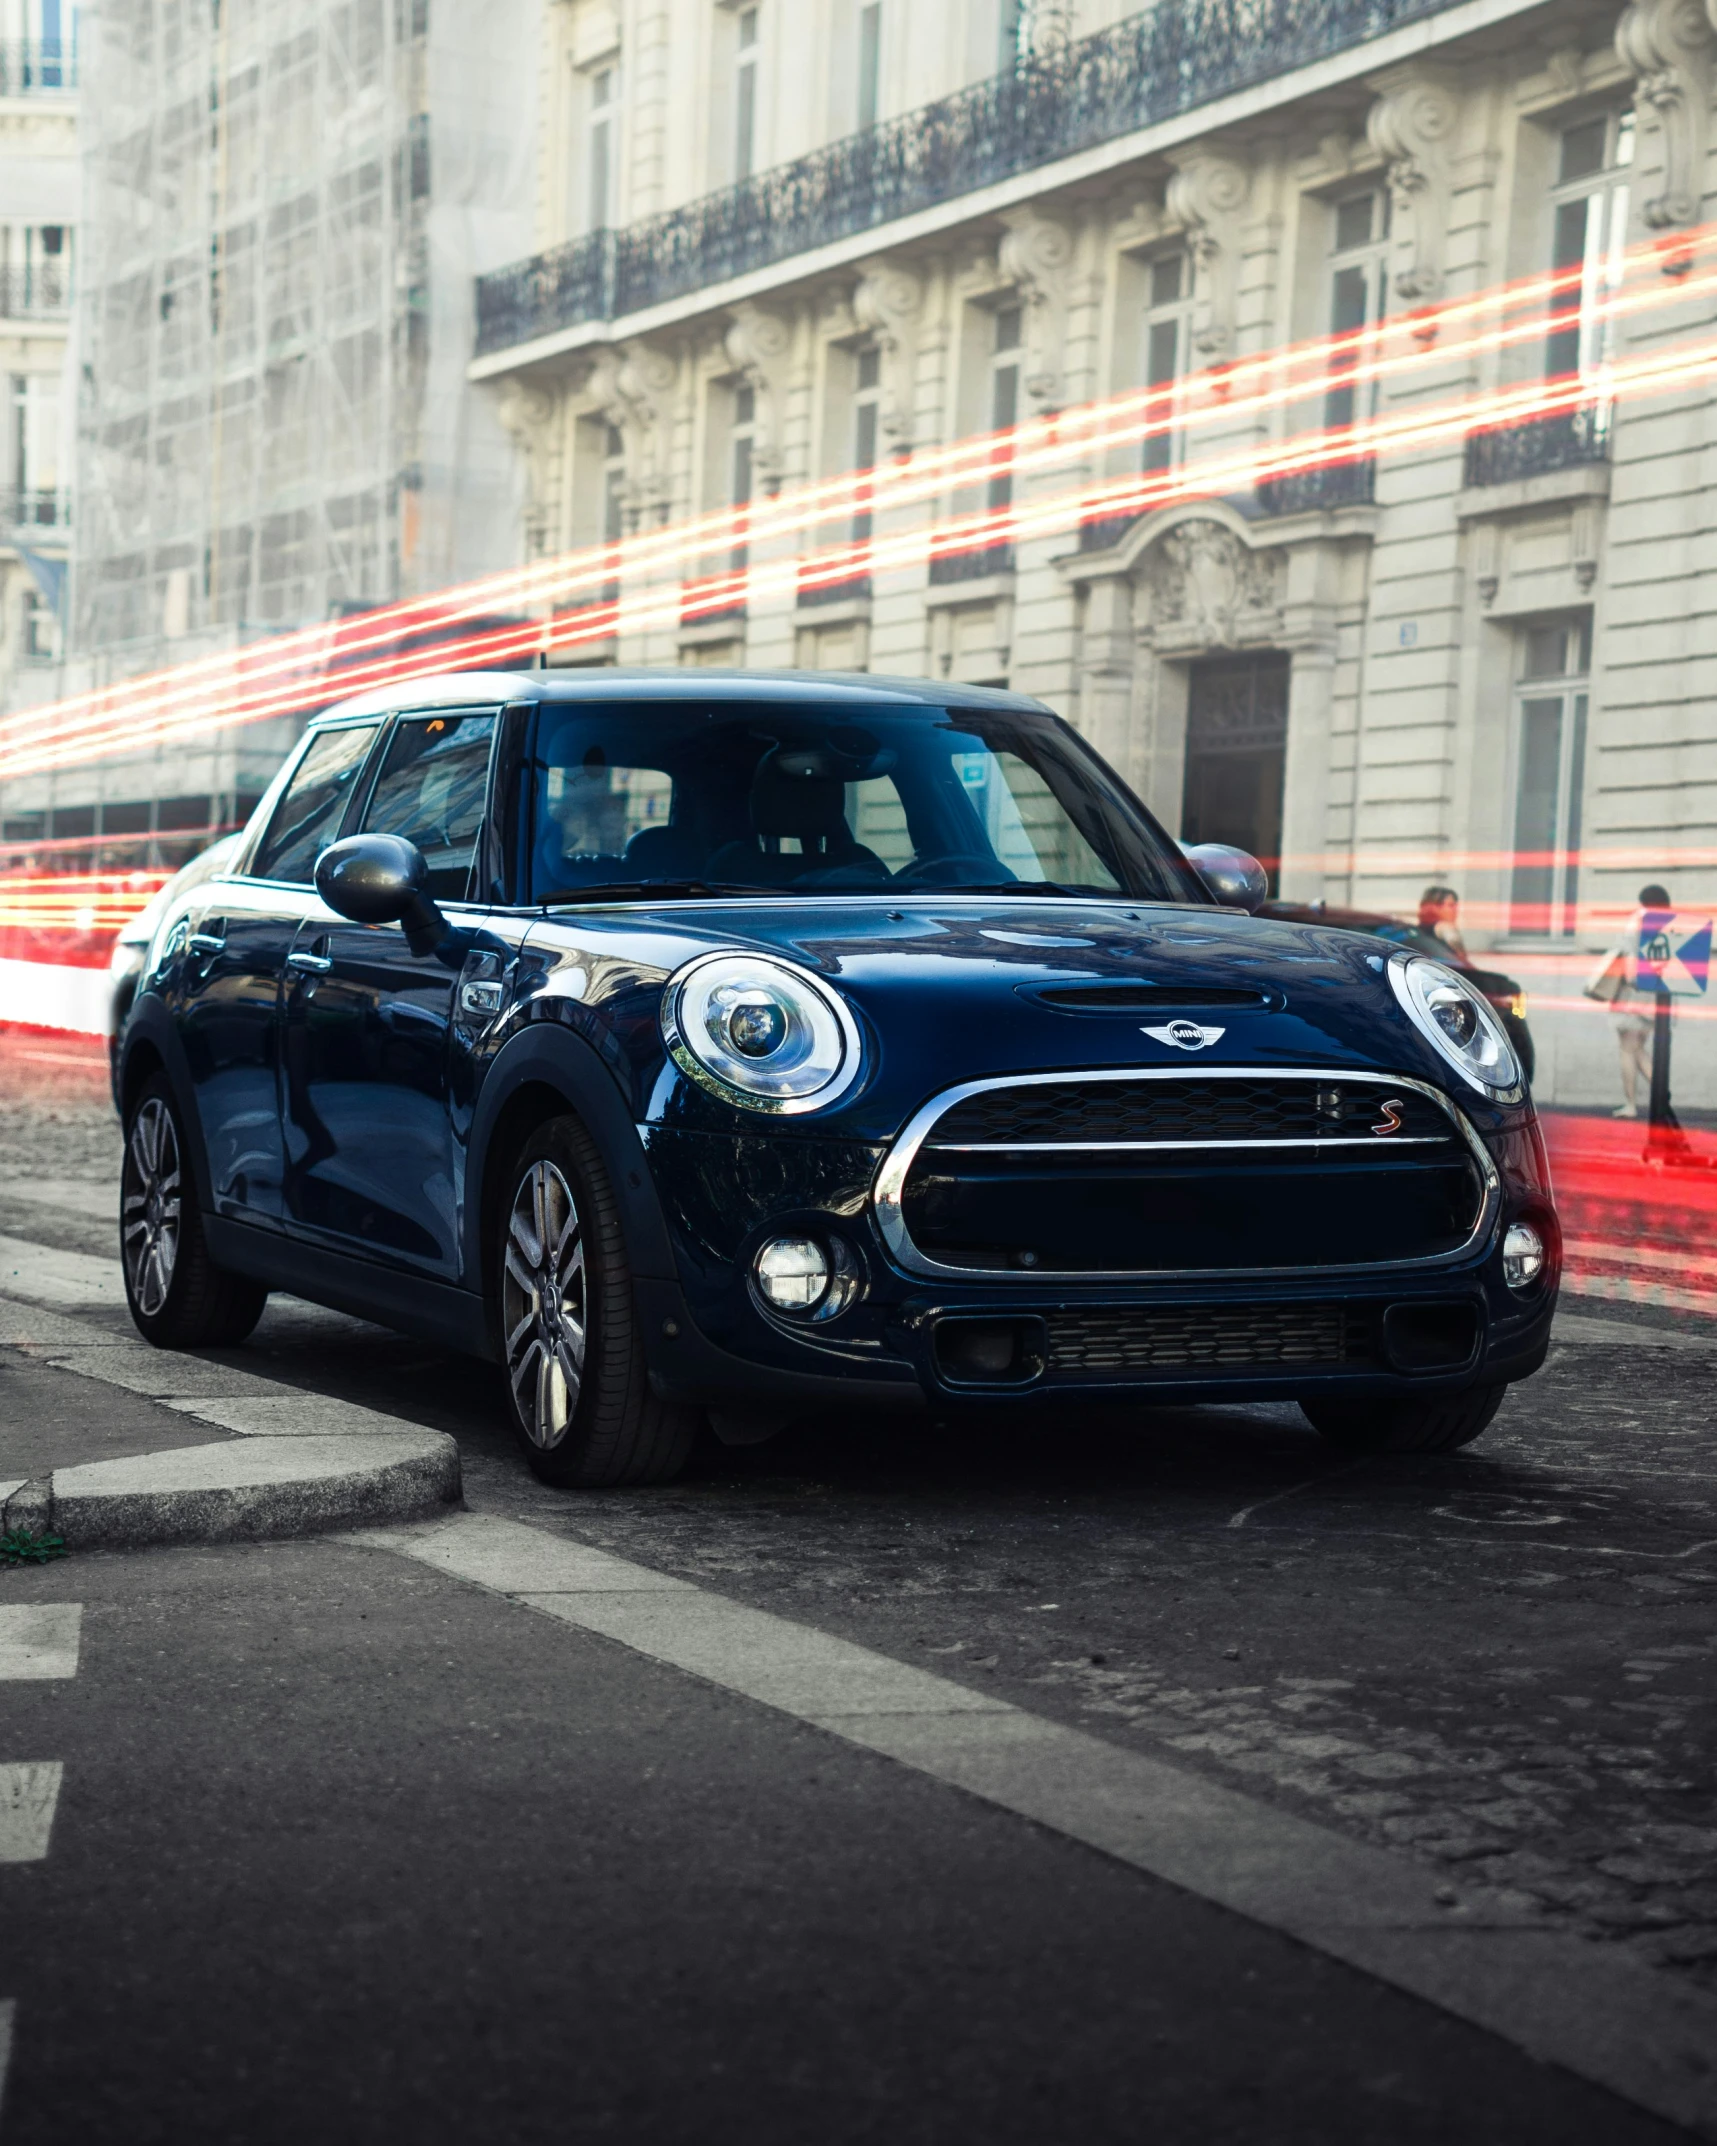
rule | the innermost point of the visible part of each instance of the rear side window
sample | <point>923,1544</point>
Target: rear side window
<point>431,790</point>
<point>308,815</point>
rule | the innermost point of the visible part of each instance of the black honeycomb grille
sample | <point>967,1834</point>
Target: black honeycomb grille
<point>1192,1109</point>
<point>1091,1344</point>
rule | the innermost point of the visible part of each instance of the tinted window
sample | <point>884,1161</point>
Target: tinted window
<point>813,800</point>
<point>431,790</point>
<point>308,816</point>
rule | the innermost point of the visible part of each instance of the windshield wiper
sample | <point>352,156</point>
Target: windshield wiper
<point>667,890</point>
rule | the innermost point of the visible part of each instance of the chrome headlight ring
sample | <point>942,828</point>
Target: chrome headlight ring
<point>760,1033</point>
<point>1460,1024</point>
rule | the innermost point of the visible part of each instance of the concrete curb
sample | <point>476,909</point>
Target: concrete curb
<point>243,1490</point>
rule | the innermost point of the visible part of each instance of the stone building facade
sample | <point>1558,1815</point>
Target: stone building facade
<point>783,240</point>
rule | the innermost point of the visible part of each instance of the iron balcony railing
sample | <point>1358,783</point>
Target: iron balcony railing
<point>31,64</point>
<point>1174,56</point>
<point>1566,440</point>
<point>1304,491</point>
<point>37,290</point>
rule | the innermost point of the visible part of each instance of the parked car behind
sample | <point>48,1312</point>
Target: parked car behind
<point>1507,999</point>
<point>131,948</point>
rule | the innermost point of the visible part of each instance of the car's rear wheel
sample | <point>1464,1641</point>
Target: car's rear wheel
<point>1440,1423</point>
<point>179,1297</point>
<point>577,1379</point>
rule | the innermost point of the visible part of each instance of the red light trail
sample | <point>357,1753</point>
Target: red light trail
<point>293,669</point>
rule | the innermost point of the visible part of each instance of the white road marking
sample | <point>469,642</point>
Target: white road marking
<point>28,1794</point>
<point>39,1640</point>
<point>41,1275</point>
<point>1592,2009</point>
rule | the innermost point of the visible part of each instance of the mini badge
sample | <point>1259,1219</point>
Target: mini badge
<point>1185,1036</point>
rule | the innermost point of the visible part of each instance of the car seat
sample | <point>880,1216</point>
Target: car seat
<point>797,794</point>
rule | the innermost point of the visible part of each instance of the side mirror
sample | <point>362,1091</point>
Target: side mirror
<point>1236,879</point>
<point>382,879</point>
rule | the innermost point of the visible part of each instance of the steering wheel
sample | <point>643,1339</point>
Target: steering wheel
<point>962,864</point>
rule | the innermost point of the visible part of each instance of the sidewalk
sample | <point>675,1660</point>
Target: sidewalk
<point>1636,1232</point>
<point>181,1449</point>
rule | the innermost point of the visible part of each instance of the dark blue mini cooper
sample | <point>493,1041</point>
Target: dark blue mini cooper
<point>688,1042</point>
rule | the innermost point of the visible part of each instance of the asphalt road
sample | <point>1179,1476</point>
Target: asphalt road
<point>352,1848</point>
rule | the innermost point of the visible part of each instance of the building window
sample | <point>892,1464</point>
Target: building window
<point>613,484</point>
<point>1589,228</point>
<point>1236,755</point>
<point>1013,33</point>
<point>1550,776</point>
<point>1359,298</point>
<point>869,63</point>
<point>867,413</point>
<point>599,181</point>
<point>1004,401</point>
<point>745,95</point>
<point>1164,352</point>
<point>741,456</point>
<point>41,629</point>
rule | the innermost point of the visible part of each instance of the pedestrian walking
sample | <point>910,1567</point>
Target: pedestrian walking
<point>1617,984</point>
<point>1440,914</point>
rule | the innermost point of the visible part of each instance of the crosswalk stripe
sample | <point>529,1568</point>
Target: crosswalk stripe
<point>40,1640</point>
<point>28,1795</point>
<point>1596,2012</point>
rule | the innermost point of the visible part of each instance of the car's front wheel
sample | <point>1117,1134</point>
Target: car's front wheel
<point>1440,1423</point>
<point>179,1298</point>
<point>577,1378</point>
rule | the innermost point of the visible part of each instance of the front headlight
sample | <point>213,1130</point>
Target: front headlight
<point>760,1033</point>
<point>1460,1021</point>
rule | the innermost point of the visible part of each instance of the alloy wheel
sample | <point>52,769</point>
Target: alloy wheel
<point>544,1305</point>
<point>151,1206</point>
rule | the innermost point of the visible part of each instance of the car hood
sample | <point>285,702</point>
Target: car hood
<point>955,990</point>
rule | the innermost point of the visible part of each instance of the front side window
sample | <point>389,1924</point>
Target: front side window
<point>1588,238</point>
<point>431,790</point>
<point>312,805</point>
<point>1550,777</point>
<point>771,799</point>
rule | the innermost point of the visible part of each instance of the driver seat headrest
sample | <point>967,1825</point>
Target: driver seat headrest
<point>798,791</point>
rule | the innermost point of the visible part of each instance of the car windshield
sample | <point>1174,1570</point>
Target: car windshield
<point>802,799</point>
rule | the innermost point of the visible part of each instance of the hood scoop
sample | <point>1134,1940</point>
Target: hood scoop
<point>1150,998</point>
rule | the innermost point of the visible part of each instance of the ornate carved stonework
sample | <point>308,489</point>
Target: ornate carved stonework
<point>1036,256</point>
<point>889,301</point>
<point>760,343</point>
<point>1666,45</point>
<point>1208,589</point>
<point>629,387</point>
<point>1207,197</point>
<point>528,413</point>
<point>1411,127</point>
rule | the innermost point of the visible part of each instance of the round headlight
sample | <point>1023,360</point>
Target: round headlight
<point>792,1273</point>
<point>1459,1021</point>
<point>760,1033</point>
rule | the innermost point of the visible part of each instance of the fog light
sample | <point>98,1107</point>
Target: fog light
<point>1522,1255</point>
<point>792,1273</point>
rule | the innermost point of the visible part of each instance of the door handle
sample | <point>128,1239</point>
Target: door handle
<point>311,964</point>
<point>205,942</point>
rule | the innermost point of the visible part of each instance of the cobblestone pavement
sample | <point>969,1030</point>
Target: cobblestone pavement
<point>1504,1661</point>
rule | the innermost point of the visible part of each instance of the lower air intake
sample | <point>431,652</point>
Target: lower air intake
<point>1094,1344</point>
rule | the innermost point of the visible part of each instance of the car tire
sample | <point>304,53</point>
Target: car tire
<point>1441,1423</point>
<point>578,1385</point>
<point>179,1297</point>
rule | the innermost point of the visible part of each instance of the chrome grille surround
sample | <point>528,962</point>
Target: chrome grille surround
<point>889,1191</point>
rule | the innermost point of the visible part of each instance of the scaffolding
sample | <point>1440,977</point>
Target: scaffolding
<point>254,329</point>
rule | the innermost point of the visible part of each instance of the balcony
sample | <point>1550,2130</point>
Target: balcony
<point>949,568</point>
<point>40,290</point>
<point>1310,491</point>
<point>1568,440</point>
<point>30,67</point>
<point>1173,57</point>
<point>27,514</point>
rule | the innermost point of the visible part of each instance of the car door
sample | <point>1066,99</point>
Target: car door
<point>230,951</point>
<point>367,1026</point>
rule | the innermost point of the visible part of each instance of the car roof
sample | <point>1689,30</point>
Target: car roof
<point>852,689</point>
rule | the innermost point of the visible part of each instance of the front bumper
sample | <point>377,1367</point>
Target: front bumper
<point>1019,1340</point>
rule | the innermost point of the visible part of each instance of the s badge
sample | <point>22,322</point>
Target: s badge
<point>1393,1112</point>
<point>1185,1036</point>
